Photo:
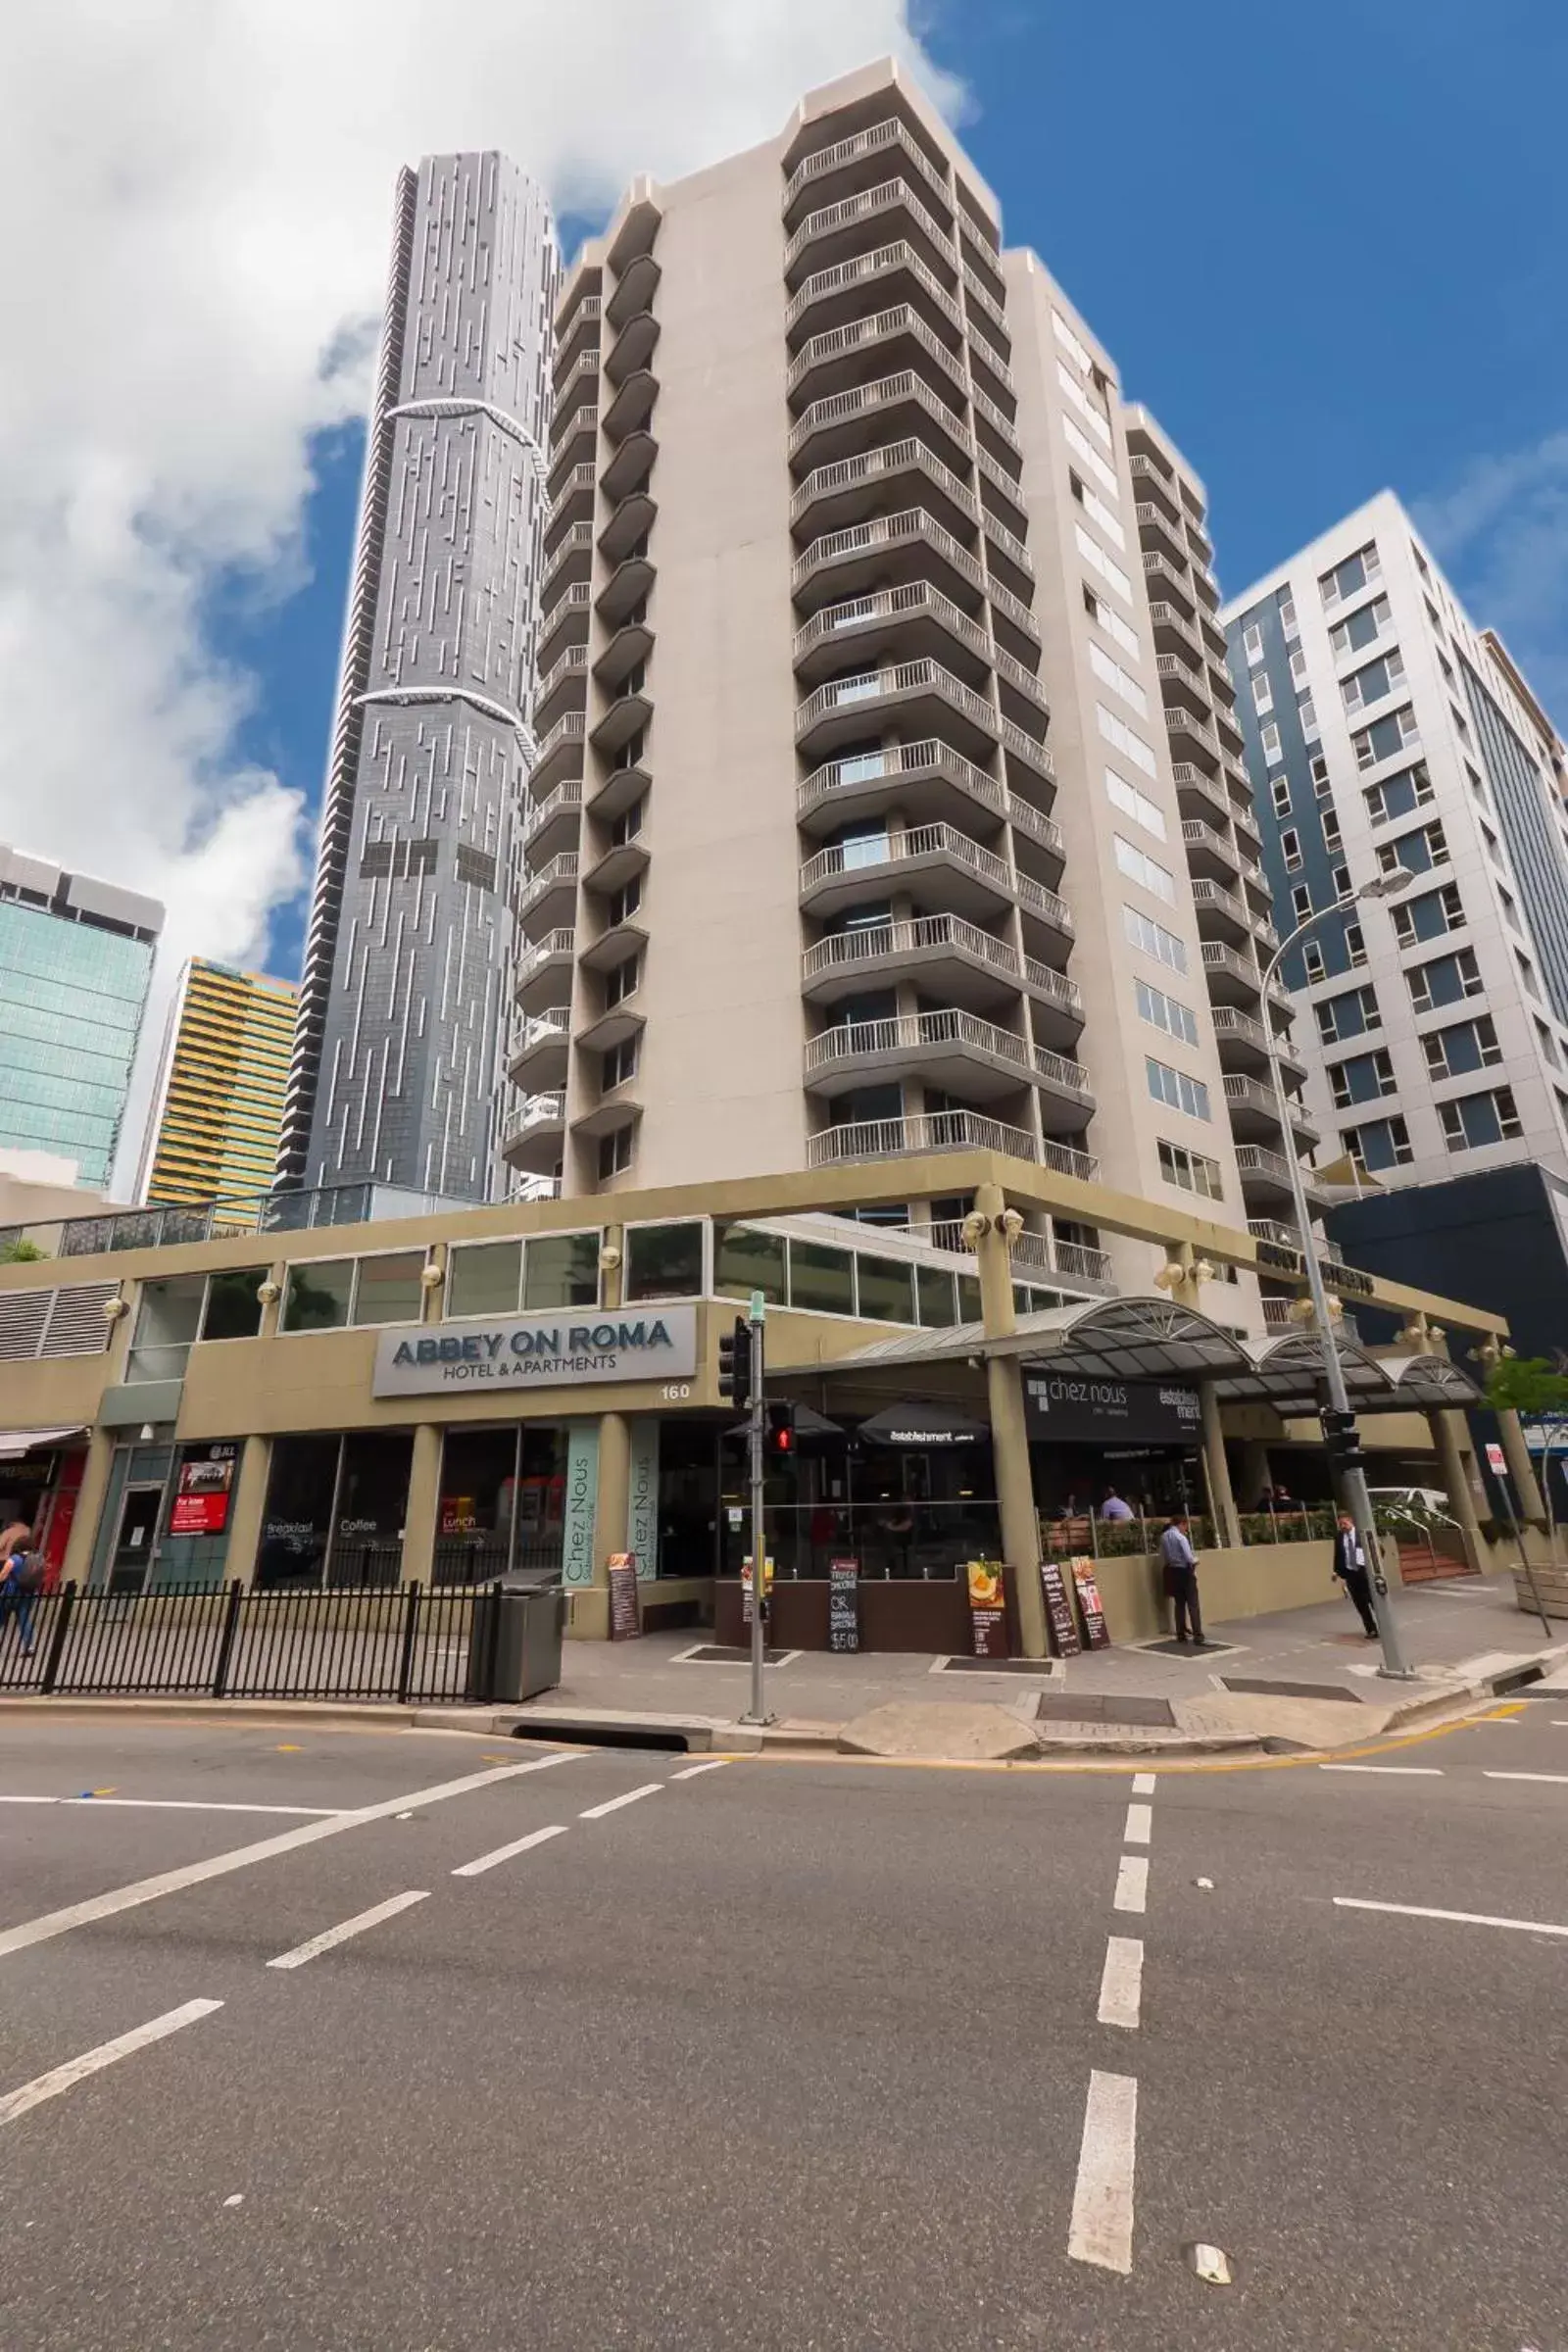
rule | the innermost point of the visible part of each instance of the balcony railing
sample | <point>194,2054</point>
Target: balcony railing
<point>941,1131</point>
<point>580,478</point>
<point>1000,422</point>
<point>1217,958</point>
<point>1251,1093</point>
<point>1185,722</point>
<point>839,407</point>
<point>1200,835</point>
<point>910,527</point>
<point>560,871</point>
<point>1013,606</point>
<point>893,604</point>
<point>575,599</point>
<point>921,934</point>
<point>930,757</point>
<point>886,258</point>
<point>578,541</point>
<point>544,1028</point>
<point>912,1032</point>
<point>905,677</point>
<point>874,141</point>
<point>1025,748</point>
<point>888,195</point>
<point>557,803</point>
<point>574,658</point>
<point>1272,1167</point>
<point>898,320</point>
<point>896,458</point>
<point>538,1113</point>
<point>561,942</point>
<point>1010,543</point>
<point>1286,1237</point>
<point>563,736</point>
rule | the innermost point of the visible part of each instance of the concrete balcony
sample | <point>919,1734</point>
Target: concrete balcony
<point>1266,1178</point>
<point>1149,479</point>
<point>549,896</point>
<point>925,696</point>
<point>629,526</point>
<point>574,445</point>
<point>1232,740</point>
<point>898,621</point>
<point>616,866</point>
<point>543,972</point>
<point>1220,913</point>
<point>1001,492</point>
<point>1247,828</point>
<point>860,162</point>
<point>1244,1043</point>
<point>1184,681</point>
<point>577,390</point>
<point>1011,619</point>
<point>537,1053</point>
<point>574,503</point>
<point>575,334</point>
<point>956,1051</point>
<point>940,1131</point>
<point>1272,1233</point>
<point>895,548</point>
<point>832,297</point>
<point>1202,795</point>
<point>1024,757</point>
<point>1019,691</point>
<point>636,231</point>
<point>631,644</point>
<point>986,362</point>
<point>624,591</point>
<point>533,1138</point>
<point>632,405</point>
<point>836,497</point>
<point>1191,738</point>
<point>855,354</point>
<point>1168,585</point>
<point>633,348</point>
<point>629,467</point>
<point>847,425</point>
<point>1157,533</point>
<point>613,794</point>
<point>564,687</point>
<point>950,959</point>
<point>986,313</point>
<point>572,562</point>
<point>552,824</point>
<point>1233,979</point>
<point>937,864</point>
<point>565,621</point>
<point>929,783</point>
<point>1211,851</point>
<point>559,755</point>
<point>622,719</point>
<point>1255,1111</point>
<point>635,291</point>
<point>840,232</point>
<point>1173,632</point>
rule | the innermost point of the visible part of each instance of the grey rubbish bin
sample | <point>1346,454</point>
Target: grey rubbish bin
<point>514,1646</point>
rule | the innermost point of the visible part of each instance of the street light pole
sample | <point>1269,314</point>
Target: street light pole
<point>1353,1480</point>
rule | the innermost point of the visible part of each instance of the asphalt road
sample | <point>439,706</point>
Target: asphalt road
<point>804,2056</point>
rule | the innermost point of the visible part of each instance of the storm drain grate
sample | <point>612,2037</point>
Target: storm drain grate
<point>726,1654</point>
<point>1096,1707</point>
<point>1239,1682</point>
<point>1040,1668</point>
<point>1170,1648</point>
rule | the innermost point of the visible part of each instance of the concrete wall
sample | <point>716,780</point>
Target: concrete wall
<point>1252,1582</point>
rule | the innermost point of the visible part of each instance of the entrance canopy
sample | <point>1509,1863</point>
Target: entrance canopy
<point>15,1443</point>
<point>1155,1338</point>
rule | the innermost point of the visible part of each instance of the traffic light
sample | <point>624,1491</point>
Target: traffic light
<point>1341,1441</point>
<point>735,1365</point>
<point>781,1431</point>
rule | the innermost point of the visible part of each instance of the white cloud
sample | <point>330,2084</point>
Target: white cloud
<point>200,198</point>
<point>1501,529</point>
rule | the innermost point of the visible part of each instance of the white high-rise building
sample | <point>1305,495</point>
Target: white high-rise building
<point>1386,735</point>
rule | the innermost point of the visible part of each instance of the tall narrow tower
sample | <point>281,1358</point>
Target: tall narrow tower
<point>404,999</point>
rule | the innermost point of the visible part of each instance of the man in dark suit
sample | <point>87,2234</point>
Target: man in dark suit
<point>1350,1567</point>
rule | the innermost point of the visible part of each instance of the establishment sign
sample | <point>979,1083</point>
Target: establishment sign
<point>1154,1413</point>
<point>568,1349</point>
<point>988,1614</point>
<point>624,1622</point>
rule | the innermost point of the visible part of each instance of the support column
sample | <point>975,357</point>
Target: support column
<point>1521,1469</point>
<point>423,1512</point>
<point>1456,1482</point>
<point>1010,1437</point>
<point>248,1509</point>
<point>1227,1526</point>
<point>90,1495</point>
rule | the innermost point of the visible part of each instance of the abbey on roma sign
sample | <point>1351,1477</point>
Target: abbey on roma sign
<point>577,1347</point>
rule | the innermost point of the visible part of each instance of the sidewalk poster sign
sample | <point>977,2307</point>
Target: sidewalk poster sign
<point>745,1587</point>
<point>844,1604</point>
<point>1058,1610</point>
<point>201,1498</point>
<point>988,1617</point>
<point>1089,1601</point>
<point>624,1622</point>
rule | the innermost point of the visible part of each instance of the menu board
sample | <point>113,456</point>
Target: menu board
<point>844,1604</point>
<point>624,1624</point>
<point>1089,1601</point>
<point>988,1616</point>
<point>1058,1610</point>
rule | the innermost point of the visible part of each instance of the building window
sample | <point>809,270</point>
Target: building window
<point>1262,693</point>
<point>1526,973</point>
<point>1371,684</point>
<point>619,983</point>
<point>388,1289</point>
<point>1343,886</point>
<point>1378,1143</point>
<point>1190,1170</point>
<point>1299,669</point>
<point>1445,981</point>
<point>1144,870</point>
<point>1271,744</point>
<point>1312,957</point>
<point>1291,848</point>
<point>614,1153</point>
<point>1095,556</point>
<point>1385,738</point>
<point>1288,620</point>
<point>318,1295</point>
<point>1351,576</point>
<point>625,902</point>
<point>1279,792</point>
<point>1176,1089</point>
<point>1467,1045</point>
<point>1252,643</point>
<point>1123,739</point>
<point>1360,628</point>
<point>1429,917</point>
<point>1350,1014</point>
<point>1318,767</point>
<point>1097,511</point>
<point>1547,1044</point>
<point>1306,720</point>
<point>1111,674</point>
<point>1476,1120</point>
<point>1165,1012</point>
<point>1115,628</point>
<point>1398,796</point>
<point>619,1064</point>
<point>664,1262</point>
<point>1135,804</point>
<point>1361,1079</point>
<point>1333,842</point>
<point>1153,940</point>
<point>1301,901</point>
<point>1355,946</point>
<point>1414,852</point>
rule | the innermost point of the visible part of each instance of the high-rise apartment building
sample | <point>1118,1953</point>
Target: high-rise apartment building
<point>76,959</point>
<point>214,1128</point>
<point>396,1070</point>
<point>1387,736</point>
<point>855,827</point>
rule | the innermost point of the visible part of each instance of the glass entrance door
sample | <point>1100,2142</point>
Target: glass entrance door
<point>137,1541</point>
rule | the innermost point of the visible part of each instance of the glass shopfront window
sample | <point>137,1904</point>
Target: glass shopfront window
<point>335,1509</point>
<point>663,1262</point>
<point>318,1295</point>
<point>559,1269</point>
<point>390,1289</point>
<point>502,1505</point>
<point>905,1512</point>
<point>746,1260</point>
<point>821,1279</point>
<point>485,1279</point>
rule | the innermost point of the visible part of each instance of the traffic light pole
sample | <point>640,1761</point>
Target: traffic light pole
<point>756,1713</point>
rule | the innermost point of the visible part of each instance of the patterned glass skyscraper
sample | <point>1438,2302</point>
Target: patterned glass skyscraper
<point>407,987</point>
<point>76,958</point>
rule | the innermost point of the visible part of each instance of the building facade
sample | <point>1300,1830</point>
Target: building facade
<point>1387,737</point>
<point>856,828</point>
<point>76,959</point>
<point>216,1119</point>
<point>404,1005</point>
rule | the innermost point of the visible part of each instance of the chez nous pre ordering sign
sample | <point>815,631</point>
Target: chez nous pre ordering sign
<point>556,1350</point>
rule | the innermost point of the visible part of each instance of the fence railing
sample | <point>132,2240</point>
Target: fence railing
<point>381,1641</point>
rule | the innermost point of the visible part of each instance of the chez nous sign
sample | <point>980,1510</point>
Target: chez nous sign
<point>571,1348</point>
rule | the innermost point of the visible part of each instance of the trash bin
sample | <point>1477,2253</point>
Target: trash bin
<point>515,1644</point>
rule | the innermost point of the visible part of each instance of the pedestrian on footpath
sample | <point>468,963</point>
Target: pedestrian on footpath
<point>1350,1567</point>
<point>21,1582</point>
<point>1179,1564</point>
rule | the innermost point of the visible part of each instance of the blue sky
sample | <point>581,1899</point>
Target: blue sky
<point>1325,243</point>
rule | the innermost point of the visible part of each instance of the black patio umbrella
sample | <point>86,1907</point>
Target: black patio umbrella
<point>922,1425</point>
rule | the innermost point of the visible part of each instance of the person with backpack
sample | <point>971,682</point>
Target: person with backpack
<point>22,1574</point>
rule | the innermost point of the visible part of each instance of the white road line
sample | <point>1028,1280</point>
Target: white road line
<point>1559,1777</point>
<point>1142,1783</point>
<point>190,1804</point>
<point>240,1857</point>
<point>92,2062</point>
<point>1463,1918</point>
<point>347,1927</point>
<point>504,1853</point>
<point>1132,1883</point>
<point>1102,2227</point>
<point>615,1803</point>
<point>1121,1982</point>
<point>1418,1772</point>
<point>1140,1824</point>
<point>692,1770</point>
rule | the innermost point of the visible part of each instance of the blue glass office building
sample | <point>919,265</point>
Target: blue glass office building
<point>76,959</point>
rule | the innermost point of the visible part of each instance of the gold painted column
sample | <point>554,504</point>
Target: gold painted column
<point>1010,1437</point>
<point>422,1512</point>
<point>1456,1482</point>
<point>1227,1526</point>
<point>90,1497</point>
<point>248,1509</point>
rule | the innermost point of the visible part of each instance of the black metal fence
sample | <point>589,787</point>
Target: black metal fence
<point>406,1642</point>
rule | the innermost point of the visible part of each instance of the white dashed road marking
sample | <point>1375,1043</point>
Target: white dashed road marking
<point>347,1927</point>
<point>1102,2227</point>
<point>1140,1824</point>
<point>504,1853</point>
<point>1431,1772</point>
<point>92,2062</point>
<point>615,1803</point>
<point>1121,1984</point>
<point>1142,1783</point>
<point>1559,1777</point>
<point>692,1770</point>
<point>1464,1919</point>
<point>1132,1883</point>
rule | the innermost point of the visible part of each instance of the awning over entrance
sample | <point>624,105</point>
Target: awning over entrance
<point>15,1443</point>
<point>1154,1339</point>
<point>922,1425</point>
